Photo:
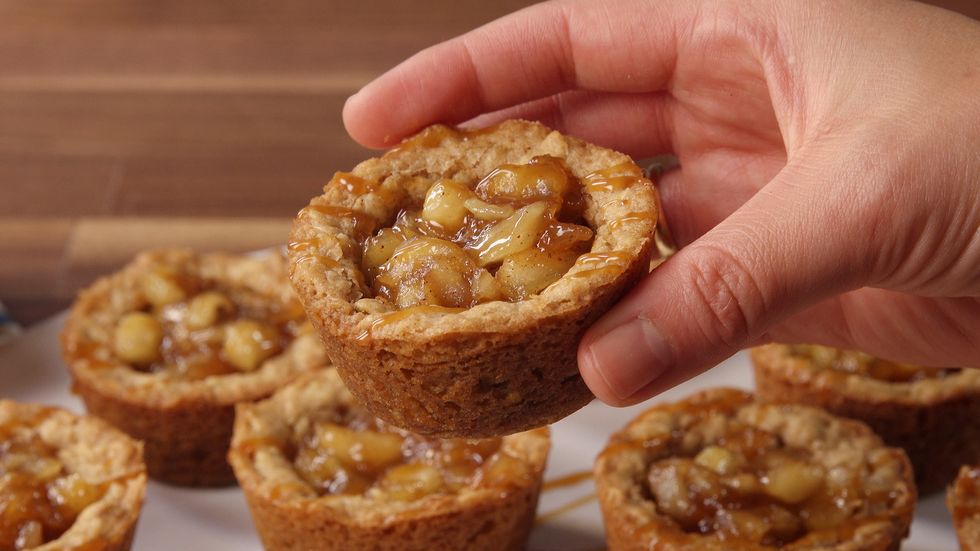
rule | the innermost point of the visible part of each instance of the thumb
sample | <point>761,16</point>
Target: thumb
<point>787,247</point>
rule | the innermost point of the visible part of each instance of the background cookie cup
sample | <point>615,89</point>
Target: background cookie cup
<point>80,468</point>
<point>936,420</point>
<point>494,368</point>
<point>963,501</point>
<point>719,471</point>
<point>183,411</point>
<point>290,514</point>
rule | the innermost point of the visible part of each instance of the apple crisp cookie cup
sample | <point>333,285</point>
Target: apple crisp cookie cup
<point>319,472</point>
<point>720,471</point>
<point>506,360</point>
<point>166,347</point>
<point>67,482</point>
<point>963,501</point>
<point>933,414</point>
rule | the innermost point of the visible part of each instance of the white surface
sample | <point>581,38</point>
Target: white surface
<point>173,518</point>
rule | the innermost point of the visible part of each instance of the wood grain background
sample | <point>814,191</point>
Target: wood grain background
<point>128,124</point>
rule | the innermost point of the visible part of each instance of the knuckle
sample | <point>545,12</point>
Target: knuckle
<point>727,297</point>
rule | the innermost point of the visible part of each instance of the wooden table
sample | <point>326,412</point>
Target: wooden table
<point>129,124</point>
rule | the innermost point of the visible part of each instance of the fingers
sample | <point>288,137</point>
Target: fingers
<point>726,289</point>
<point>636,124</point>
<point>531,54</point>
<point>891,325</point>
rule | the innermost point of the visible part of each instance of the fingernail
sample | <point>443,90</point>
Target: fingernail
<point>631,356</point>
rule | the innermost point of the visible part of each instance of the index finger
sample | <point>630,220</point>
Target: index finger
<point>618,46</point>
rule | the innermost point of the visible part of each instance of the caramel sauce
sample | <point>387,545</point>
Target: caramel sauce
<point>434,135</point>
<point>611,263</point>
<point>392,317</point>
<point>431,137</point>
<point>39,498</point>
<point>357,186</point>
<point>307,252</point>
<point>631,217</point>
<point>566,508</point>
<point>565,481</point>
<point>615,178</point>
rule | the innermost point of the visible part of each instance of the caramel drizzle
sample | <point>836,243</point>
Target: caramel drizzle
<point>305,252</point>
<point>615,178</point>
<point>433,136</point>
<point>630,217</point>
<point>392,317</point>
<point>558,511</point>
<point>567,480</point>
<point>611,263</point>
<point>251,445</point>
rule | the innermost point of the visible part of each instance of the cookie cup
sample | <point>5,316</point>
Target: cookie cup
<point>963,501</point>
<point>98,455</point>
<point>844,450</point>
<point>290,515</point>
<point>185,425</point>
<point>498,367</point>
<point>935,420</point>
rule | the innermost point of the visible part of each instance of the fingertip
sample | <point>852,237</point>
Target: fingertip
<point>620,363</point>
<point>360,121</point>
<point>591,372</point>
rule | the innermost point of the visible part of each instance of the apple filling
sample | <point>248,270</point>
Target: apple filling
<point>859,363</point>
<point>356,454</point>
<point>191,328</point>
<point>748,485</point>
<point>39,498</point>
<point>514,233</point>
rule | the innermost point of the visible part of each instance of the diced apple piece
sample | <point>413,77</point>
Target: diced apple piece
<point>411,482</point>
<point>561,236</point>
<point>719,460</point>
<point>794,481</point>
<point>529,272</point>
<point>516,233</point>
<point>444,205</point>
<point>428,270</point>
<point>379,248</point>
<point>205,309</point>
<point>504,470</point>
<point>486,288</point>
<point>137,338</point>
<point>365,451</point>
<point>487,211</point>
<point>161,288</point>
<point>544,178</point>
<point>248,343</point>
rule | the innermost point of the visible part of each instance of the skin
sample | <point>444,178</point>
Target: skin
<point>829,189</point>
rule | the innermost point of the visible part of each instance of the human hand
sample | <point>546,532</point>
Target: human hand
<point>829,189</point>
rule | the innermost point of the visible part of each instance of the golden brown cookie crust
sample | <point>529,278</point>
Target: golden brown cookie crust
<point>498,367</point>
<point>963,501</point>
<point>185,424</point>
<point>289,514</point>
<point>633,522</point>
<point>935,420</point>
<point>99,454</point>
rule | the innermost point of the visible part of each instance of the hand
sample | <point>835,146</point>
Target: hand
<point>829,189</point>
